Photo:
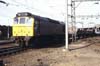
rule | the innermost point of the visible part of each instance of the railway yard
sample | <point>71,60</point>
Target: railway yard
<point>50,33</point>
<point>84,50</point>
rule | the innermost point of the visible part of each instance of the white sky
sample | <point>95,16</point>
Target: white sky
<point>54,9</point>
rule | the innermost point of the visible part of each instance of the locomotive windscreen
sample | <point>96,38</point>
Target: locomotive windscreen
<point>22,20</point>
<point>15,20</point>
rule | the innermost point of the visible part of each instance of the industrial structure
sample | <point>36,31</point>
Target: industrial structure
<point>73,17</point>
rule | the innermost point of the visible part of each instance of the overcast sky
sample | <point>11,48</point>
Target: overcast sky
<point>55,9</point>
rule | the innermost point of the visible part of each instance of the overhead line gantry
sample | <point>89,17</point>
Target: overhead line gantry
<point>73,17</point>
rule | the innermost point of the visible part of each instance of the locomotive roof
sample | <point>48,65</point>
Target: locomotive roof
<point>23,14</point>
<point>36,17</point>
<point>29,14</point>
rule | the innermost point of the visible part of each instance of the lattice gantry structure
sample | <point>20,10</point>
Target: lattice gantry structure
<point>73,15</point>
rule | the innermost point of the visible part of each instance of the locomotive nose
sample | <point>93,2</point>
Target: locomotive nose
<point>23,31</point>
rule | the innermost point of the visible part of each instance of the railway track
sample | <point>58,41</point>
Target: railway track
<point>2,42</point>
<point>10,50</point>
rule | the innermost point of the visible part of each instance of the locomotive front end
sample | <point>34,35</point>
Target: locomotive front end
<point>23,25</point>
<point>23,28</point>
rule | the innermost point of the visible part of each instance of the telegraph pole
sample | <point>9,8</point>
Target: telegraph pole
<point>66,26</point>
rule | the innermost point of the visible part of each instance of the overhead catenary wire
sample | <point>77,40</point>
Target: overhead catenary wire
<point>18,4</point>
<point>78,4</point>
<point>85,0</point>
<point>28,7</point>
<point>4,2</point>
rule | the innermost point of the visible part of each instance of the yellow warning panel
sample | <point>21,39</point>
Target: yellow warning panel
<point>23,31</point>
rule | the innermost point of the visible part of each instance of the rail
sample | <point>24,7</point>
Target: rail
<point>10,50</point>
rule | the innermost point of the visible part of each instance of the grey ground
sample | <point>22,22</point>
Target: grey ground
<point>85,52</point>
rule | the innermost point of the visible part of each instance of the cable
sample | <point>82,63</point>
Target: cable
<point>18,4</point>
<point>23,5</point>
<point>78,4</point>
<point>28,7</point>
<point>3,2</point>
<point>6,16</point>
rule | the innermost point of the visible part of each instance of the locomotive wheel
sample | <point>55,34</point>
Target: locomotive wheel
<point>22,44</point>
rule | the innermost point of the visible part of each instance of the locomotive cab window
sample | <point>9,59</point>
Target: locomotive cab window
<point>19,20</point>
<point>15,20</point>
<point>29,20</point>
<point>22,20</point>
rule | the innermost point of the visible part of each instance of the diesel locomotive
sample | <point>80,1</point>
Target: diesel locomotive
<point>29,29</point>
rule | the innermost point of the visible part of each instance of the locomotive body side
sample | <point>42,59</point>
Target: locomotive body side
<point>45,26</point>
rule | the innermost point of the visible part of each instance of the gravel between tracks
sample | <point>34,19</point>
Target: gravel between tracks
<point>84,56</point>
